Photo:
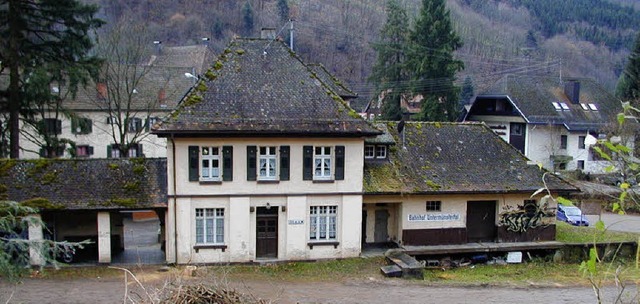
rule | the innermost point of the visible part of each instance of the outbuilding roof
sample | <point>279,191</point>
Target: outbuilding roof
<point>135,183</point>
<point>259,87</point>
<point>441,158</point>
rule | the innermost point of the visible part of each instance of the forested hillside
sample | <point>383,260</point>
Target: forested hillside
<point>587,38</point>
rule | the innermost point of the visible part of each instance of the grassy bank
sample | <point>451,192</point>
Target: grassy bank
<point>571,234</point>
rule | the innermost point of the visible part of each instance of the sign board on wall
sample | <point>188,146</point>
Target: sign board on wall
<point>434,217</point>
<point>296,222</point>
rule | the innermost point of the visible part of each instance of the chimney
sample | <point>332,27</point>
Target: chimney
<point>268,33</point>
<point>572,90</point>
<point>158,45</point>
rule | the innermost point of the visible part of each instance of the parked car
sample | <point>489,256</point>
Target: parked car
<point>572,215</point>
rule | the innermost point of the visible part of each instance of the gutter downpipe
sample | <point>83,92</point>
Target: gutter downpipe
<point>175,199</point>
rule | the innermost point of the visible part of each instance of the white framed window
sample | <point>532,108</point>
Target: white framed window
<point>267,163</point>
<point>209,226</point>
<point>369,151</point>
<point>322,163</point>
<point>323,223</point>
<point>556,105</point>
<point>210,163</point>
<point>564,106</point>
<point>381,151</point>
<point>135,125</point>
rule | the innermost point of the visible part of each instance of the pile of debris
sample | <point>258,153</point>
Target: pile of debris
<point>201,294</point>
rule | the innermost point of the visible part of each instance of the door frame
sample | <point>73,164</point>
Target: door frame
<point>267,213</point>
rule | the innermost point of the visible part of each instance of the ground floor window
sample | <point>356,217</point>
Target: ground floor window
<point>323,223</point>
<point>209,225</point>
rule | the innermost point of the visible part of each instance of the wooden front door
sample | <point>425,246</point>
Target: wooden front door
<point>517,135</point>
<point>481,221</point>
<point>267,232</point>
<point>381,233</point>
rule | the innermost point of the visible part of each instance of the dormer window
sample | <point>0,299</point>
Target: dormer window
<point>584,107</point>
<point>375,151</point>
<point>564,106</point>
<point>369,151</point>
<point>593,107</point>
<point>556,105</point>
<point>381,152</point>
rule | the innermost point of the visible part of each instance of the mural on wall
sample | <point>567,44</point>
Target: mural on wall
<point>529,215</point>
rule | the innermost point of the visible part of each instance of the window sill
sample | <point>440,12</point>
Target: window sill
<point>334,244</point>
<point>268,181</point>
<point>198,247</point>
<point>210,182</point>
<point>323,181</point>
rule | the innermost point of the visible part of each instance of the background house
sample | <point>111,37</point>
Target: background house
<point>258,166</point>
<point>550,120</point>
<point>451,183</point>
<point>94,118</point>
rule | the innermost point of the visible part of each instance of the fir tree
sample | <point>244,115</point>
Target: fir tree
<point>432,42</point>
<point>389,72</point>
<point>39,33</point>
<point>628,87</point>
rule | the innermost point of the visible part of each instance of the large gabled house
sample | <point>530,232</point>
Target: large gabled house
<point>550,120</point>
<point>100,108</point>
<point>453,183</point>
<point>265,162</point>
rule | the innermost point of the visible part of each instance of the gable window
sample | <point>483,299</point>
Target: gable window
<point>322,223</point>
<point>581,140</point>
<point>434,206</point>
<point>209,226</point>
<point>381,151</point>
<point>267,163</point>
<point>563,141</point>
<point>322,163</point>
<point>134,125</point>
<point>210,163</point>
<point>84,151</point>
<point>369,151</point>
<point>51,126</point>
<point>81,125</point>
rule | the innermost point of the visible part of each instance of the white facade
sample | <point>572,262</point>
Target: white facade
<point>237,205</point>
<point>99,138</point>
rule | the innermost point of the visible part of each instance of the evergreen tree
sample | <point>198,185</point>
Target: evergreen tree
<point>38,33</point>
<point>389,72</point>
<point>283,10</point>
<point>432,42</point>
<point>628,87</point>
<point>467,91</point>
<point>247,18</point>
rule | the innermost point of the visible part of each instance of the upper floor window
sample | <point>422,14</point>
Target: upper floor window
<point>134,125</point>
<point>134,150</point>
<point>210,163</point>
<point>322,163</point>
<point>563,141</point>
<point>84,151</point>
<point>581,140</point>
<point>81,125</point>
<point>51,126</point>
<point>152,120</point>
<point>267,163</point>
<point>434,205</point>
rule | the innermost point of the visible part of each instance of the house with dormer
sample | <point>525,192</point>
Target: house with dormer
<point>264,162</point>
<point>553,121</point>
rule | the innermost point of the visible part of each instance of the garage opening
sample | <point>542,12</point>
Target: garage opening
<point>143,238</point>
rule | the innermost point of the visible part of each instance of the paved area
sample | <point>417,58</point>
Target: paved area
<point>617,222</point>
<point>140,243</point>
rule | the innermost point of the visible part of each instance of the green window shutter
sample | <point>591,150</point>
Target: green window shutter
<point>139,148</point>
<point>90,150</point>
<point>227,163</point>
<point>146,124</point>
<point>194,159</point>
<point>307,162</point>
<point>89,126</point>
<point>42,152</point>
<point>58,126</point>
<point>109,149</point>
<point>251,163</point>
<point>74,125</point>
<point>284,163</point>
<point>339,163</point>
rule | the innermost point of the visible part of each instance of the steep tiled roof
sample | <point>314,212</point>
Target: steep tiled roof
<point>260,87</point>
<point>454,158</point>
<point>533,97</point>
<point>333,83</point>
<point>85,183</point>
<point>198,57</point>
